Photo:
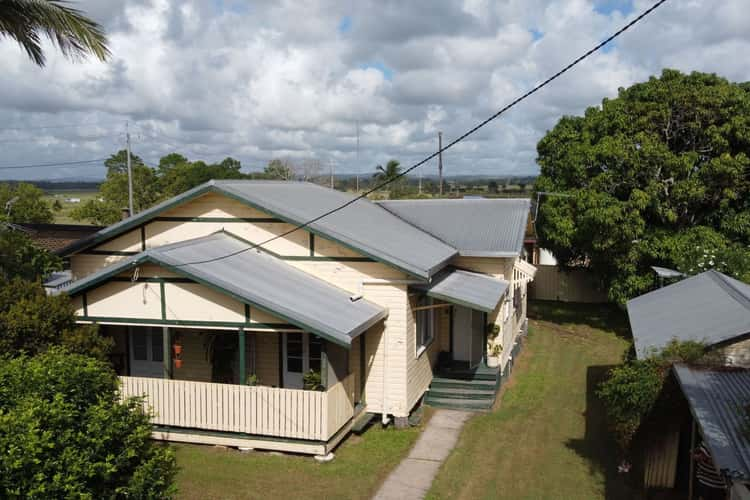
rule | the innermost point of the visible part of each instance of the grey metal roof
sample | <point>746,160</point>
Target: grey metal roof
<point>716,399</point>
<point>363,226</point>
<point>476,227</point>
<point>709,307</point>
<point>473,290</point>
<point>259,279</point>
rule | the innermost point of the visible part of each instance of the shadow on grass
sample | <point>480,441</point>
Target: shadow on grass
<point>598,316</point>
<point>598,446</point>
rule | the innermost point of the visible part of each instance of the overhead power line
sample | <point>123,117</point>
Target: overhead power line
<point>54,164</point>
<point>482,124</point>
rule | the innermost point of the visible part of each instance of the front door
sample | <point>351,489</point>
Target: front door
<point>146,351</point>
<point>468,335</point>
<point>301,354</point>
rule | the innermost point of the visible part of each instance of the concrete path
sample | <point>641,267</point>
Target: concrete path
<point>413,476</point>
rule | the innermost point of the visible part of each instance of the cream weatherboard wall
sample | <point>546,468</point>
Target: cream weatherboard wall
<point>389,345</point>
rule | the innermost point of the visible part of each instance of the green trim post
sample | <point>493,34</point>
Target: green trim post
<point>143,238</point>
<point>323,363</point>
<point>85,302</point>
<point>312,244</point>
<point>167,343</point>
<point>243,361</point>
<point>163,301</point>
<point>247,313</point>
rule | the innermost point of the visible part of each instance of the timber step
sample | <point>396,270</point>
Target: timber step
<point>460,404</point>
<point>464,389</point>
<point>457,393</point>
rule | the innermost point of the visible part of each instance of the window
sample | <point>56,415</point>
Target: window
<point>316,347</point>
<point>425,323</point>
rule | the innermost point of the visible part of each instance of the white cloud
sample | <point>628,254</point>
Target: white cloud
<point>255,81</point>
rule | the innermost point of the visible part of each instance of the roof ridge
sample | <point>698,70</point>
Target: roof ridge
<point>723,281</point>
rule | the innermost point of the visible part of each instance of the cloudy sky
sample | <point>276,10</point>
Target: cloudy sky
<point>259,80</point>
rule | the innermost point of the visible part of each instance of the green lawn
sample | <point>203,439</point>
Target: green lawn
<point>361,464</point>
<point>547,437</point>
<point>63,216</point>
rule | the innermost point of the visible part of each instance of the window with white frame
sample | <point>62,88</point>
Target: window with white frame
<point>425,323</point>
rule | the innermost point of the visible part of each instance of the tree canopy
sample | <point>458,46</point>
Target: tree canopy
<point>659,175</point>
<point>175,174</point>
<point>64,433</point>
<point>20,257</point>
<point>23,202</point>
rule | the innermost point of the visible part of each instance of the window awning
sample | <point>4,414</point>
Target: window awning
<point>259,279</point>
<point>464,288</point>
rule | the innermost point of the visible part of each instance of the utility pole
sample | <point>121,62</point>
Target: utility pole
<point>420,183</point>
<point>440,161</point>
<point>357,156</point>
<point>130,171</point>
<point>332,184</point>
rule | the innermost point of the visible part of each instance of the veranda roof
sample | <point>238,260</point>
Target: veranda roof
<point>473,290</point>
<point>259,279</point>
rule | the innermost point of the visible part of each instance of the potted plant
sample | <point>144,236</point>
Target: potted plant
<point>311,381</point>
<point>251,379</point>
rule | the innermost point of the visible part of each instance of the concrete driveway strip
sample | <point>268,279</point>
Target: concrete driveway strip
<point>414,475</point>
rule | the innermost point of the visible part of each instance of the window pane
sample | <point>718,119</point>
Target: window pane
<point>140,348</point>
<point>315,365</point>
<point>157,345</point>
<point>294,344</point>
<point>316,346</point>
<point>294,365</point>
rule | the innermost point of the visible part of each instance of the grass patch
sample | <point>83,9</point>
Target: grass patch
<point>63,216</point>
<point>547,438</point>
<point>361,465</point>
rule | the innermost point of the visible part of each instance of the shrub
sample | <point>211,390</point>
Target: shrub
<point>65,434</point>
<point>31,321</point>
<point>632,388</point>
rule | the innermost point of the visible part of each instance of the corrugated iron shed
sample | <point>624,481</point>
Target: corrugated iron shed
<point>473,290</point>
<point>259,279</point>
<point>717,398</point>
<point>709,307</point>
<point>476,227</point>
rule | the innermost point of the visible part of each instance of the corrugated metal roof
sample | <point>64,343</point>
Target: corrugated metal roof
<point>261,280</point>
<point>476,227</point>
<point>362,226</point>
<point>717,399</point>
<point>709,307</point>
<point>473,290</point>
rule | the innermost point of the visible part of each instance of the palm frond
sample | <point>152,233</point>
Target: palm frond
<point>69,29</point>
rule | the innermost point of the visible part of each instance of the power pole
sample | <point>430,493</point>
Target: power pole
<point>420,183</point>
<point>130,172</point>
<point>357,156</point>
<point>440,161</point>
<point>332,184</point>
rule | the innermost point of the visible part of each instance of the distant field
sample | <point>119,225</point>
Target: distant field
<point>64,197</point>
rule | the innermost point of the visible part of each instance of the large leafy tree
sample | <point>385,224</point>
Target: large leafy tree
<point>27,21</point>
<point>659,175</point>
<point>24,202</point>
<point>177,174</point>
<point>64,433</point>
<point>32,321</point>
<point>20,257</point>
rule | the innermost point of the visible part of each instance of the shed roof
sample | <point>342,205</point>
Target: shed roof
<point>716,399</point>
<point>363,226</point>
<point>259,279</point>
<point>709,307</point>
<point>476,227</point>
<point>473,290</point>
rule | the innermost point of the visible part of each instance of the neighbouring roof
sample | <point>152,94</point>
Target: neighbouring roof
<point>363,226</point>
<point>55,237</point>
<point>717,400</point>
<point>476,227</point>
<point>709,307</point>
<point>259,279</point>
<point>473,290</point>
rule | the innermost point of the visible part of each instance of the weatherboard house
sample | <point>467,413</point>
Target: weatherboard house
<point>288,345</point>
